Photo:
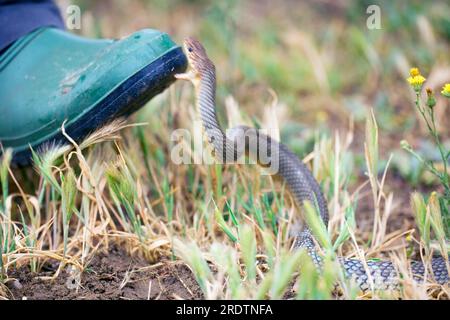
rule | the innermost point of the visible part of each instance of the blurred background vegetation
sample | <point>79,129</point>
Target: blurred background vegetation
<point>326,66</point>
<point>327,70</point>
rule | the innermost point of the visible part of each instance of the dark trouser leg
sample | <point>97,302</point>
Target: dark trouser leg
<point>18,18</point>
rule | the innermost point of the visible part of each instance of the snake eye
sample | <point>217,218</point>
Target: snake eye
<point>190,49</point>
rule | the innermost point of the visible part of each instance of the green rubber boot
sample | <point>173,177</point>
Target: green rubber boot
<point>51,76</point>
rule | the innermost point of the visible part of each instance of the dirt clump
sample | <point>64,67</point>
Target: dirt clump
<point>111,275</point>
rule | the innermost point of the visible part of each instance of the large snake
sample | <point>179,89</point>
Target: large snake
<point>378,274</point>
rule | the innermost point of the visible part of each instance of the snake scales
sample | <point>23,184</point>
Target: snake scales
<point>383,274</point>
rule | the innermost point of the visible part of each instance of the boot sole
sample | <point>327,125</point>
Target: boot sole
<point>123,101</point>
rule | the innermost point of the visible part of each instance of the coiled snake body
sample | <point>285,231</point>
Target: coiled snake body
<point>296,175</point>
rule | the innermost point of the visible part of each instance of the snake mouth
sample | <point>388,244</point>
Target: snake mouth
<point>197,56</point>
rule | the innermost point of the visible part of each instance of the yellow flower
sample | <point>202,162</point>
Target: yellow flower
<point>414,72</point>
<point>416,81</point>
<point>446,90</point>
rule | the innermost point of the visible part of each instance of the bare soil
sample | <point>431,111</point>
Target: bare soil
<point>113,275</point>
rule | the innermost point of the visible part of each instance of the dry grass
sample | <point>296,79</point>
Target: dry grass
<point>119,186</point>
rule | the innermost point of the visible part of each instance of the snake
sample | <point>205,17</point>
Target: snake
<point>373,274</point>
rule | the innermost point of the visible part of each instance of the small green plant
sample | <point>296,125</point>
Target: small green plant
<point>429,217</point>
<point>427,112</point>
<point>4,225</point>
<point>231,281</point>
<point>124,194</point>
<point>68,195</point>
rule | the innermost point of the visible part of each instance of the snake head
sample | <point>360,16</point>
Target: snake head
<point>197,58</point>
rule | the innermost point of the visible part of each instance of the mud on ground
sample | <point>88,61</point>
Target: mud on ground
<point>113,275</point>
